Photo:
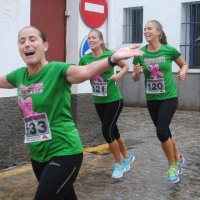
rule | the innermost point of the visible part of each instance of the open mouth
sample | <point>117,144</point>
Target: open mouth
<point>29,53</point>
<point>147,36</point>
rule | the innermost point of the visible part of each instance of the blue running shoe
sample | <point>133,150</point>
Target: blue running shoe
<point>127,162</point>
<point>118,171</point>
<point>172,175</point>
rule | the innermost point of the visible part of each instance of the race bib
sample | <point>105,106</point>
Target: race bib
<point>99,89</point>
<point>37,128</point>
<point>155,86</point>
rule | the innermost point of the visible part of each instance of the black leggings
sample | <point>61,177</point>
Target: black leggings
<point>56,177</point>
<point>108,114</point>
<point>161,112</point>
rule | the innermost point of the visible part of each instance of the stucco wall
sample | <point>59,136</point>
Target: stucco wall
<point>13,16</point>
<point>12,149</point>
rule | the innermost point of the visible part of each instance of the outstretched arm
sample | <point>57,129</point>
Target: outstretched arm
<point>78,74</point>
<point>4,83</point>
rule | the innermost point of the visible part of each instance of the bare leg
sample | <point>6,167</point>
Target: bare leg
<point>169,151</point>
<point>176,151</point>
<point>114,148</point>
<point>122,148</point>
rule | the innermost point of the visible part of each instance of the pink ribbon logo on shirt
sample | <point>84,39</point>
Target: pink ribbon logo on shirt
<point>155,71</point>
<point>27,106</point>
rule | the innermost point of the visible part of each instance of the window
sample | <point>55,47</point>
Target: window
<point>133,25</point>
<point>190,34</point>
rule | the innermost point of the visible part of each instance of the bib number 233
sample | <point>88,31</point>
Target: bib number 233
<point>37,128</point>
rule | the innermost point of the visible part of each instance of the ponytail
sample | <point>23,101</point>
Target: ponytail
<point>163,38</point>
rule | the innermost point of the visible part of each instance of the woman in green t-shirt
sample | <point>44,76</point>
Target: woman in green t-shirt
<point>108,101</point>
<point>44,96</point>
<point>161,93</point>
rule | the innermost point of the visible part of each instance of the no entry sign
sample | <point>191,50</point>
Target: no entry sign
<point>94,12</point>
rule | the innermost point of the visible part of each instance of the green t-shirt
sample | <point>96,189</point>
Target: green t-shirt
<point>104,90</point>
<point>48,92</point>
<point>157,68</point>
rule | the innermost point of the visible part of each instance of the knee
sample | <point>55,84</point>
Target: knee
<point>108,138</point>
<point>162,136</point>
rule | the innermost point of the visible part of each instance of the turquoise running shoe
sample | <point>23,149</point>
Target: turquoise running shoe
<point>118,171</point>
<point>127,162</point>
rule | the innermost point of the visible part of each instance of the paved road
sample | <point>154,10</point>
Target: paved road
<point>147,179</point>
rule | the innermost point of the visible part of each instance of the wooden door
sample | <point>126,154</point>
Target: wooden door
<point>49,16</point>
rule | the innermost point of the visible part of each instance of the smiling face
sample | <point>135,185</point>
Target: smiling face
<point>151,32</point>
<point>32,48</point>
<point>94,41</point>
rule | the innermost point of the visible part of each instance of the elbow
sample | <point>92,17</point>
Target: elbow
<point>126,68</point>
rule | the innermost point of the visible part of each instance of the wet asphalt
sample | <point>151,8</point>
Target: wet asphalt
<point>147,179</point>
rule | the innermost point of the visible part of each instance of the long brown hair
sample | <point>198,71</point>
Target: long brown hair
<point>99,33</point>
<point>163,37</point>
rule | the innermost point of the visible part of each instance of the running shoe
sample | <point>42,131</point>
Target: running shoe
<point>172,175</point>
<point>118,170</point>
<point>179,164</point>
<point>182,160</point>
<point>127,162</point>
<point>179,167</point>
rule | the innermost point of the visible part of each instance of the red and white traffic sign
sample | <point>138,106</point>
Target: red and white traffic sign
<point>94,12</point>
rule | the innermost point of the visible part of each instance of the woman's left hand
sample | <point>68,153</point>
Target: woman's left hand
<point>115,77</point>
<point>181,75</point>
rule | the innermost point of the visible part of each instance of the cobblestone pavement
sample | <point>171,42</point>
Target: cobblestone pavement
<point>147,179</point>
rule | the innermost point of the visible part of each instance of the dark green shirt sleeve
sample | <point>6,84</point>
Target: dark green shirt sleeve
<point>136,60</point>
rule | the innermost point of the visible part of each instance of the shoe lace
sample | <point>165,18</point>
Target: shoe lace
<point>171,171</point>
<point>178,166</point>
<point>117,167</point>
<point>126,161</point>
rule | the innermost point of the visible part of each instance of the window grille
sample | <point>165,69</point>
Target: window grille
<point>190,34</point>
<point>133,25</point>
